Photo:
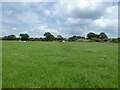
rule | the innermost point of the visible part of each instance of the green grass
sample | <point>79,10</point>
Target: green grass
<point>59,65</point>
<point>0,65</point>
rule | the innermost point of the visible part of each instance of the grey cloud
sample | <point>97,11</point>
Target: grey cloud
<point>85,10</point>
<point>81,18</point>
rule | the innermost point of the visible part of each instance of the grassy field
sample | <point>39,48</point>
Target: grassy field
<point>59,65</point>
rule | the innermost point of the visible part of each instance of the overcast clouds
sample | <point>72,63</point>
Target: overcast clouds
<point>59,18</point>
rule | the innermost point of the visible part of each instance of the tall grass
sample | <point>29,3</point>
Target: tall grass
<point>59,65</point>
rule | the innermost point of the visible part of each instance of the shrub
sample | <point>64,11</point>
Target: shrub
<point>115,40</point>
<point>96,39</point>
<point>80,40</point>
<point>105,39</point>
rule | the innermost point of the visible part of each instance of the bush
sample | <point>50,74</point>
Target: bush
<point>115,40</point>
<point>105,39</point>
<point>83,40</point>
<point>96,39</point>
<point>80,40</point>
<point>90,41</point>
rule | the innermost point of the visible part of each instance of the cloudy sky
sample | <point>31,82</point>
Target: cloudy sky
<point>60,18</point>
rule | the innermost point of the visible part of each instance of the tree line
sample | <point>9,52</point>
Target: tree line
<point>92,37</point>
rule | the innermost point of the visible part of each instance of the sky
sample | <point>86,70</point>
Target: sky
<point>60,18</point>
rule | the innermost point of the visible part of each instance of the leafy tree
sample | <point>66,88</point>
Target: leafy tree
<point>115,40</point>
<point>49,36</point>
<point>18,38</point>
<point>102,35</point>
<point>31,39</point>
<point>35,39</point>
<point>97,35</point>
<point>24,37</point>
<point>92,35</point>
<point>75,38</point>
<point>82,37</point>
<point>96,39</point>
<point>119,39</point>
<point>59,37</point>
<point>43,39</point>
<point>5,38</point>
<point>105,39</point>
<point>9,37</point>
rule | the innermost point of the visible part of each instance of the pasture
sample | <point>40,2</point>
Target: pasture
<point>59,65</point>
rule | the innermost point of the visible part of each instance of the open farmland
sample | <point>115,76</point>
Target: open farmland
<point>59,65</point>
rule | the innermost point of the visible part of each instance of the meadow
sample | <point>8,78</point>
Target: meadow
<point>59,65</point>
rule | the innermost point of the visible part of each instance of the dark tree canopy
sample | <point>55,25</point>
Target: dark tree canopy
<point>59,37</point>
<point>12,37</point>
<point>5,38</point>
<point>9,37</point>
<point>49,36</point>
<point>91,35</point>
<point>74,38</point>
<point>24,37</point>
<point>102,35</point>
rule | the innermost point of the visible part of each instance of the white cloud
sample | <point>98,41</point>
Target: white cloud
<point>24,32</point>
<point>65,18</point>
<point>96,17</point>
<point>14,28</point>
<point>44,28</point>
<point>103,23</point>
<point>47,12</point>
<point>58,0</point>
<point>78,22</point>
<point>8,17</point>
<point>9,20</point>
<point>8,12</point>
<point>58,22</point>
<point>28,17</point>
<point>108,22</point>
<point>81,9</point>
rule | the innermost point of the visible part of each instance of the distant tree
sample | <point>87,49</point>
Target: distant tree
<point>24,37</point>
<point>40,39</point>
<point>75,38</point>
<point>91,35</point>
<point>59,37</point>
<point>96,39</point>
<point>43,39</point>
<point>102,35</point>
<point>119,39</point>
<point>49,36</point>
<point>115,40</point>
<point>5,38</point>
<point>17,38</point>
<point>82,37</point>
<point>96,36</point>
<point>31,39</point>
<point>105,39</point>
<point>9,37</point>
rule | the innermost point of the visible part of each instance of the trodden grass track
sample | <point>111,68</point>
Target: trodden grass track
<point>59,65</point>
